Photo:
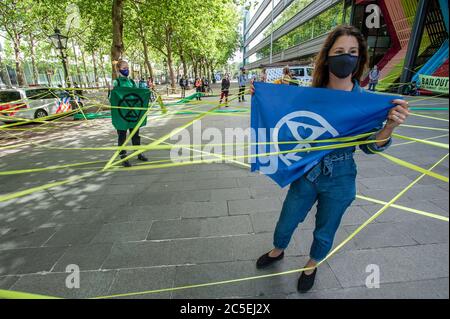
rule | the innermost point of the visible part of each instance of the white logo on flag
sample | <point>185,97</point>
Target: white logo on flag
<point>301,132</point>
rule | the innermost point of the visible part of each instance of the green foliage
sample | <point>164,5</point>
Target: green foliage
<point>189,31</point>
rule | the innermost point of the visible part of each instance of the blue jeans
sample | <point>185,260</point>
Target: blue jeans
<point>332,183</point>
<point>372,86</point>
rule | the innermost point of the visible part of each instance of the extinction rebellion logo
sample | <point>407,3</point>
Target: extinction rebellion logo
<point>300,126</point>
<point>132,107</point>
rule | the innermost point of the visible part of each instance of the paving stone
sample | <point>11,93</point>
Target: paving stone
<point>86,257</point>
<point>248,206</point>
<point>26,238</point>
<point>92,284</point>
<point>380,235</point>
<point>150,197</point>
<point>429,231</point>
<point>193,196</point>
<point>229,194</point>
<point>426,193</point>
<point>29,260</point>
<point>400,215</point>
<point>73,234</point>
<point>7,281</point>
<point>123,232</point>
<point>176,252</point>
<point>143,279</point>
<point>423,289</point>
<point>396,264</point>
<point>204,227</point>
<point>204,209</point>
<point>207,273</point>
<point>385,182</point>
<point>146,213</point>
<point>79,216</point>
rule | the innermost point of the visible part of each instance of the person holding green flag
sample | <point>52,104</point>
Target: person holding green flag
<point>131,103</point>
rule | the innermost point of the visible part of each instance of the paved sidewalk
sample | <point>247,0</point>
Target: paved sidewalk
<point>151,229</point>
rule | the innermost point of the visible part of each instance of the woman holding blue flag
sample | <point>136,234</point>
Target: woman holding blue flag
<point>331,180</point>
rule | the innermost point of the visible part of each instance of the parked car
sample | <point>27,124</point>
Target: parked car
<point>33,103</point>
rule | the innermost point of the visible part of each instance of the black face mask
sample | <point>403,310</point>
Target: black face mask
<point>342,65</point>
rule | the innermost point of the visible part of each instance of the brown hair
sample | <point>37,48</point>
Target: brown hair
<point>321,75</point>
<point>286,70</point>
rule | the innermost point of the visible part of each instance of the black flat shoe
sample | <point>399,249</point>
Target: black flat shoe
<point>265,260</point>
<point>142,158</point>
<point>125,163</point>
<point>306,282</point>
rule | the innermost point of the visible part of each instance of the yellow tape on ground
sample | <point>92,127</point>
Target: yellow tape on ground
<point>404,208</point>
<point>423,141</point>
<point>425,127</point>
<point>378,213</point>
<point>428,117</point>
<point>413,167</point>
<point>381,211</point>
<point>9,294</point>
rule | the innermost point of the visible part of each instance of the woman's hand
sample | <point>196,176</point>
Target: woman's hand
<point>398,114</point>
<point>252,87</point>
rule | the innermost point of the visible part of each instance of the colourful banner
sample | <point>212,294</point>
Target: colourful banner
<point>433,83</point>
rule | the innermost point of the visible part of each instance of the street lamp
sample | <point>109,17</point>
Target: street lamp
<point>60,43</point>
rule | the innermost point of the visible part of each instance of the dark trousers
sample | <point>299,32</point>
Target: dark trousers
<point>199,93</point>
<point>136,139</point>
<point>183,92</point>
<point>241,93</point>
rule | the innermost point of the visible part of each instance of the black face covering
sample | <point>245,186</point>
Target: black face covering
<point>342,65</point>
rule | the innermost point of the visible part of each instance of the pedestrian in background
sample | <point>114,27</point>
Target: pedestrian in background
<point>183,87</point>
<point>286,78</point>
<point>225,89</point>
<point>242,84</point>
<point>263,76</point>
<point>198,88</point>
<point>374,75</point>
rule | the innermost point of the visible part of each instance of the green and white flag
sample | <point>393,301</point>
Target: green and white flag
<point>129,105</point>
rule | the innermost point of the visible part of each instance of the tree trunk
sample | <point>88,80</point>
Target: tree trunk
<point>33,60</point>
<point>183,61</point>
<point>85,68</point>
<point>94,62</point>
<point>102,67</point>
<point>194,64</point>
<point>148,65</point>
<point>4,75</point>
<point>19,69</point>
<point>117,46</point>
<point>169,60</point>
<point>76,62</point>
<point>212,71</point>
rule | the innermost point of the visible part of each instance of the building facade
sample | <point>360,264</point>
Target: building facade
<point>278,31</point>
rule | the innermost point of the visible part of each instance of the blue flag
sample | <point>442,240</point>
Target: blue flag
<point>284,113</point>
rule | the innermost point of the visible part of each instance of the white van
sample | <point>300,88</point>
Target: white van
<point>303,74</point>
